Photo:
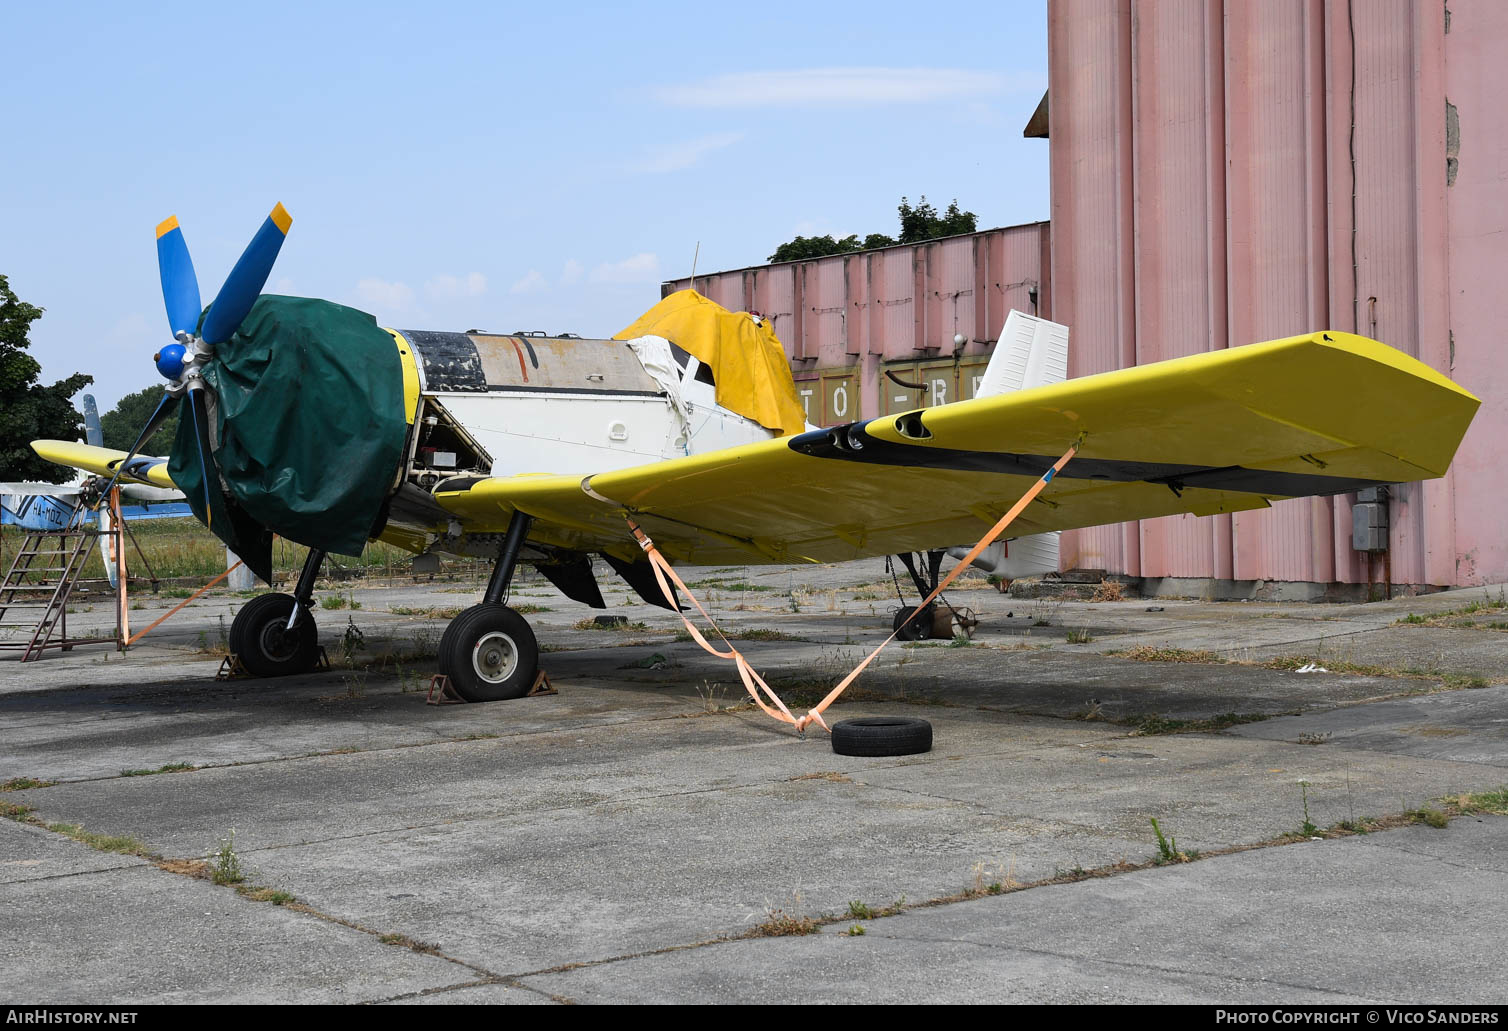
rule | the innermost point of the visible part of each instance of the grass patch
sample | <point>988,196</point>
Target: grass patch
<point>780,924</point>
<point>25,783</point>
<point>1292,662</point>
<point>1464,616</point>
<point>718,584</point>
<point>1108,590</point>
<point>184,548</point>
<point>750,634</point>
<point>167,768</point>
<point>1150,653</point>
<point>1079,637</point>
<point>1485,802</point>
<point>590,623</point>
<point>433,612</point>
<point>403,941</point>
<point>16,811</point>
<point>530,609</point>
<point>124,844</point>
<point>1154,725</point>
<point>257,893</point>
<point>1433,817</point>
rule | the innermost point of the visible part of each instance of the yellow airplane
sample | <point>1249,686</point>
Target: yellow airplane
<point>311,422</point>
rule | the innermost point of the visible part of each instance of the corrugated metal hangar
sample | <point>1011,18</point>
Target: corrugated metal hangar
<point>1222,173</point>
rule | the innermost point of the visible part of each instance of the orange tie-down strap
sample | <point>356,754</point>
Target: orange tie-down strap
<point>753,682</point>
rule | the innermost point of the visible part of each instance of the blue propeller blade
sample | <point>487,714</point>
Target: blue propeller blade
<point>245,280</point>
<point>180,287</point>
<point>164,409</point>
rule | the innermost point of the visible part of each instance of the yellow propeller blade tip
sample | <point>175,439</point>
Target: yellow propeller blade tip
<point>167,225</point>
<point>281,218</point>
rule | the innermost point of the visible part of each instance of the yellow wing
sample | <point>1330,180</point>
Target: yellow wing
<point>104,462</point>
<point>1218,432</point>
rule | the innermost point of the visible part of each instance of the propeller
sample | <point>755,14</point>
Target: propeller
<point>182,362</point>
<point>245,281</point>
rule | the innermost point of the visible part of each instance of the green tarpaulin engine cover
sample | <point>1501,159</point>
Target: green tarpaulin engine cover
<point>306,429</point>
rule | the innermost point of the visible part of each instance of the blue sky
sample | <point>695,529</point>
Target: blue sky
<point>502,167</point>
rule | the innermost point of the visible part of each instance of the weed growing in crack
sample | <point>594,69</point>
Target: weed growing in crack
<point>23,783</point>
<point>1167,849</point>
<point>225,864</point>
<point>1433,817</point>
<point>1309,829</point>
<point>780,924</point>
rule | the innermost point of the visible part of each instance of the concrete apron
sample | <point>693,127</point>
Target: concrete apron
<point>521,851</point>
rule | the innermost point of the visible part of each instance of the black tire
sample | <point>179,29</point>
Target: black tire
<point>489,654</point>
<point>882,735</point>
<point>915,630</point>
<point>266,648</point>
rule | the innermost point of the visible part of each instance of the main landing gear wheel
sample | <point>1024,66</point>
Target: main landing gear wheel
<point>882,735</point>
<point>266,647</point>
<point>489,654</point>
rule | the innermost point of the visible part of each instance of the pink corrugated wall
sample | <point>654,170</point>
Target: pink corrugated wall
<point>1202,198</point>
<point>1476,346</point>
<point>861,313</point>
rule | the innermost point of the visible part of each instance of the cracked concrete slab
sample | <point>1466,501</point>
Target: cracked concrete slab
<point>1353,920</point>
<point>140,935</point>
<point>30,853</point>
<point>1458,726</point>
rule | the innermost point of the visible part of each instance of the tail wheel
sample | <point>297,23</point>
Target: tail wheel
<point>915,630</point>
<point>489,654</point>
<point>266,647</point>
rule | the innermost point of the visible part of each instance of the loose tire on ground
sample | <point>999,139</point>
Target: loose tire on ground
<point>260,637</point>
<point>489,654</point>
<point>882,735</point>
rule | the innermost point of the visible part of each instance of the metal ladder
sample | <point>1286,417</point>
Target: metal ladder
<point>59,573</point>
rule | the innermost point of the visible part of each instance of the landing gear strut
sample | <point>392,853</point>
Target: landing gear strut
<point>937,620</point>
<point>488,651</point>
<point>272,640</point>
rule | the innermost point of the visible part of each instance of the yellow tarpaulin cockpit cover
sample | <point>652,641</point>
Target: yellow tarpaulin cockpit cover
<point>749,368</point>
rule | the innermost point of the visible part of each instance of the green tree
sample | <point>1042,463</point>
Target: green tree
<point>804,247</point>
<point>918,224</point>
<point>28,410</point>
<point>120,425</point>
<point>924,223</point>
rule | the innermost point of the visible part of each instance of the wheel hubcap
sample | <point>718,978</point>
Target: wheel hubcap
<point>495,657</point>
<point>276,640</point>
